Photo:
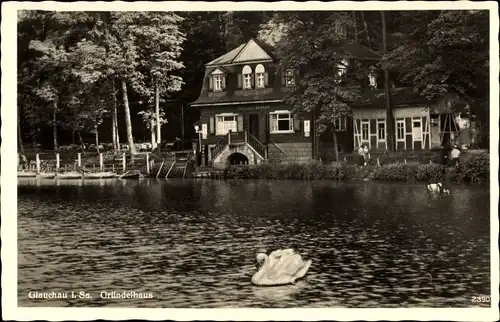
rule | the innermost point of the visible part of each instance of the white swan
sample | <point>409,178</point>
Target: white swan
<point>435,187</point>
<point>438,188</point>
<point>281,267</point>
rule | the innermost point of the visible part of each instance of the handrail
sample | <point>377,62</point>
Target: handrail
<point>256,144</point>
<point>220,145</point>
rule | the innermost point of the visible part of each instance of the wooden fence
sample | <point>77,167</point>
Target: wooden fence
<point>94,162</point>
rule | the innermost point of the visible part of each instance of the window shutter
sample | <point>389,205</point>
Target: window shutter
<point>210,83</point>
<point>266,79</point>
<point>296,123</point>
<point>211,125</point>
<point>240,80</point>
<point>240,123</point>
<point>224,81</point>
<point>283,77</point>
<point>252,79</point>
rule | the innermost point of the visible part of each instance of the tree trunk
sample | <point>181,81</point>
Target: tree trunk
<point>116,137</point>
<point>128,121</point>
<point>389,117</point>
<point>355,27</point>
<point>21,147</point>
<point>81,142</point>
<point>54,126</point>
<point>158,123</point>
<point>97,140</point>
<point>153,135</point>
<point>335,144</point>
<point>366,30</point>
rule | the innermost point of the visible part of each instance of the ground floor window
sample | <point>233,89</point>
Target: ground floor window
<point>400,129</point>
<point>340,123</point>
<point>281,121</point>
<point>381,130</point>
<point>417,129</point>
<point>225,123</point>
<point>365,131</point>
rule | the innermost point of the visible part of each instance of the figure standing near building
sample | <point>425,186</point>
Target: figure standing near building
<point>455,155</point>
<point>361,155</point>
<point>366,154</point>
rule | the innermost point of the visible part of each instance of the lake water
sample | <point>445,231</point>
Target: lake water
<point>193,243</point>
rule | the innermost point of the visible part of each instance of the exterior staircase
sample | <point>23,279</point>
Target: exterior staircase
<point>232,141</point>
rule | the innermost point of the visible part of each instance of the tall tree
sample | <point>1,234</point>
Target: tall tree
<point>447,52</point>
<point>387,89</point>
<point>329,79</point>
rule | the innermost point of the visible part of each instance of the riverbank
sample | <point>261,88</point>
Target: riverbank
<point>474,169</point>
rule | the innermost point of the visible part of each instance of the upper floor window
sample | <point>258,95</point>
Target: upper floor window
<point>260,74</point>
<point>217,81</point>
<point>289,77</point>
<point>281,122</point>
<point>247,77</point>
<point>340,123</point>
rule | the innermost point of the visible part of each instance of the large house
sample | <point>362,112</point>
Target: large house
<point>244,119</point>
<point>243,116</point>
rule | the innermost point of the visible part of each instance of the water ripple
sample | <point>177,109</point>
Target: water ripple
<point>193,243</point>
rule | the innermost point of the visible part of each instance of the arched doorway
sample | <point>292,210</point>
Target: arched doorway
<point>237,158</point>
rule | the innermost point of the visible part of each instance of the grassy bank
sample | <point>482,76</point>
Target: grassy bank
<point>474,170</point>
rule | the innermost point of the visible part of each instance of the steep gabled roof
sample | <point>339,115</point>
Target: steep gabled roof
<point>250,51</point>
<point>228,57</point>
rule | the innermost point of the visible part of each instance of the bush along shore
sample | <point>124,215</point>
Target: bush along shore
<point>474,169</point>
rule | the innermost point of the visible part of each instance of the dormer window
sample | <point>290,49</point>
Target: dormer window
<point>372,78</point>
<point>217,81</point>
<point>260,75</point>
<point>289,77</point>
<point>247,77</point>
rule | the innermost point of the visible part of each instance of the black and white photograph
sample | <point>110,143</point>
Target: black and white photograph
<point>312,158</point>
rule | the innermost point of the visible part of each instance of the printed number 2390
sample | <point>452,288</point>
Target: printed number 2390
<point>480,299</point>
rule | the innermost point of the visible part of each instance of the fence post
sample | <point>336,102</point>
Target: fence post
<point>79,159</point>
<point>124,162</point>
<point>405,161</point>
<point>57,161</point>
<point>147,163</point>
<point>101,161</point>
<point>37,158</point>
<point>378,162</point>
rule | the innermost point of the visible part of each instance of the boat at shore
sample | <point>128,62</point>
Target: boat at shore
<point>69,175</point>
<point>26,174</point>
<point>134,174</point>
<point>47,175</point>
<point>99,175</point>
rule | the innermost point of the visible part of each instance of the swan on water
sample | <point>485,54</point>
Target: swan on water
<point>435,187</point>
<point>438,187</point>
<point>281,267</point>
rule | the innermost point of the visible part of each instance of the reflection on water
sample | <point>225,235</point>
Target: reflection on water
<point>193,243</point>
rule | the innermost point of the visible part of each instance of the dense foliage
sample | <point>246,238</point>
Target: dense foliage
<point>79,69</point>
